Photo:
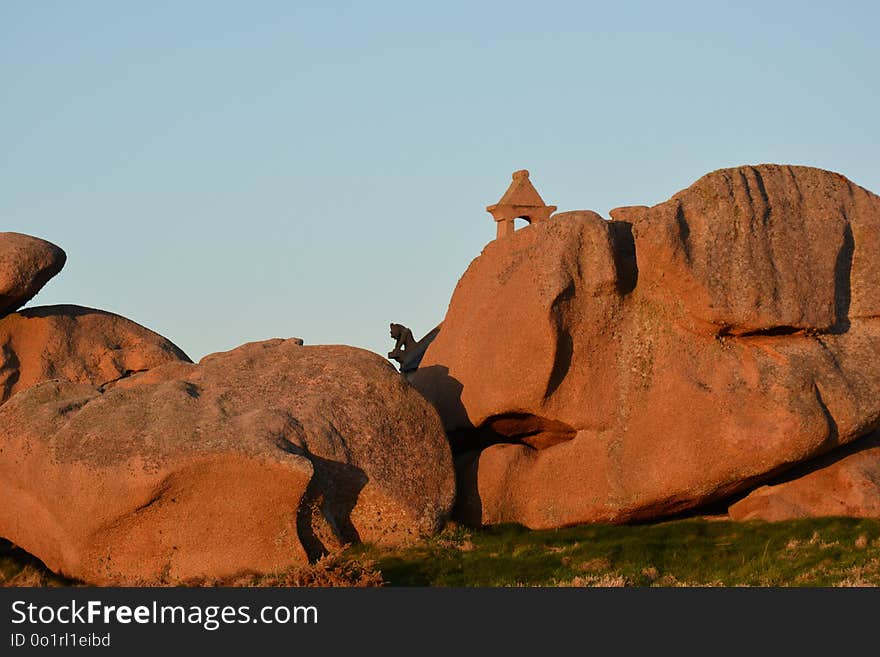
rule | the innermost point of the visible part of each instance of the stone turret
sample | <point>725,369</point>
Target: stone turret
<point>520,201</point>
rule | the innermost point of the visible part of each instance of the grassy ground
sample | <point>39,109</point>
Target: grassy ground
<point>815,552</point>
<point>692,552</point>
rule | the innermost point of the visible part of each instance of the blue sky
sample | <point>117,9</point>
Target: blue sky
<point>225,172</point>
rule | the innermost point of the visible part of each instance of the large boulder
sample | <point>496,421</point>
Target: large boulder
<point>845,482</point>
<point>76,344</point>
<point>26,265</point>
<point>766,248</point>
<point>249,462</point>
<point>628,369</point>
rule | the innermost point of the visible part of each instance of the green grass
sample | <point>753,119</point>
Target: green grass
<point>691,552</point>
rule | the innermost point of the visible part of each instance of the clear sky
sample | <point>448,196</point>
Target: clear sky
<point>223,172</point>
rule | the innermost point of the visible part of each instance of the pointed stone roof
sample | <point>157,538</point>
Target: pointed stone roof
<point>521,193</point>
<point>521,200</point>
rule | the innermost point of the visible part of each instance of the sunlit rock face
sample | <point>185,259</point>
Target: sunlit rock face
<point>593,371</point>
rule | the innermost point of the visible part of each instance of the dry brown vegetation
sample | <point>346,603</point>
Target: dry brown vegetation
<point>333,570</point>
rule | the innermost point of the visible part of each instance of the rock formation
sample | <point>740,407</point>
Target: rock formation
<point>73,343</point>
<point>845,482</point>
<point>594,371</point>
<point>77,344</point>
<point>26,264</point>
<point>123,463</point>
<point>251,461</point>
<point>719,346</point>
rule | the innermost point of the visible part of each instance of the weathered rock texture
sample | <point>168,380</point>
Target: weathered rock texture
<point>764,248</point>
<point>674,356</point>
<point>26,264</point>
<point>843,483</point>
<point>76,344</point>
<point>251,461</point>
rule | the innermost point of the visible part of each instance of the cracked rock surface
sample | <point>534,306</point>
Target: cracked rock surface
<point>605,371</point>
